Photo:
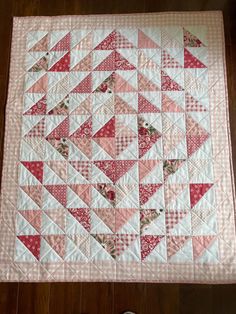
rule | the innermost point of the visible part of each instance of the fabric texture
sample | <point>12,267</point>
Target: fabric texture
<point>117,156</point>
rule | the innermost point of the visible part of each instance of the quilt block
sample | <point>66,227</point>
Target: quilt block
<point>117,161</point>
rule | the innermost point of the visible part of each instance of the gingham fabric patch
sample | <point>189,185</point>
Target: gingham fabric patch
<point>117,153</point>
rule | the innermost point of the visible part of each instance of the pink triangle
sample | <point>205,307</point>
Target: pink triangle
<point>200,244</point>
<point>173,218</point>
<point>145,42</point>
<point>85,64</point>
<point>63,44</point>
<point>36,168</point>
<point>146,166</point>
<point>34,192</point>
<point>39,108</point>
<point>168,61</point>
<point>41,45</point>
<point>174,244</point>
<point>83,167</point>
<point>167,84</point>
<point>114,169</point>
<point>40,86</point>
<point>108,130</point>
<point>83,191</point>
<point>107,144</point>
<point>197,191</point>
<point>144,84</point>
<point>57,243</point>
<point>108,217</point>
<point>146,191</point>
<point>194,142</point>
<point>85,86</point>
<point>192,62</point>
<point>122,42</point>
<point>145,106</point>
<point>122,215</point>
<point>148,244</point>
<point>122,107</point>
<point>84,131</point>
<point>192,104</point>
<point>84,145</point>
<point>82,215</point>
<point>170,166</point>
<point>60,131</point>
<point>59,192</point>
<point>168,105</point>
<point>85,43</point>
<point>121,85</point>
<point>33,217</point>
<point>32,242</point>
<point>63,65</point>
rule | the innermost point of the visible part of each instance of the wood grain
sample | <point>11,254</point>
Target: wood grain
<point>105,298</point>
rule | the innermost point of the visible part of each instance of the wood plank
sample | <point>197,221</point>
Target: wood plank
<point>97,298</point>
<point>195,299</point>
<point>158,298</point>
<point>129,297</point>
<point>33,298</point>
<point>65,298</point>
<point>224,300</point>
<point>8,298</point>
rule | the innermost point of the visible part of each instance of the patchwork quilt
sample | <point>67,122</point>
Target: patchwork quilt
<point>117,156</point>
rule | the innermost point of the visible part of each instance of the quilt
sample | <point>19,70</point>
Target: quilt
<point>117,155</point>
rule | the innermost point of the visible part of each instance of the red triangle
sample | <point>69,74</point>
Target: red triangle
<point>63,65</point>
<point>144,84</point>
<point>57,243</point>
<point>197,191</point>
<point>145,42</point>
<point>40,86</point>
<point>200,244</point>
<point>83,216</point>
<point>109,43</point>
<point>38,130</point>
<point>114,41</point>
<point>108,130</point>
<point>63,44</point>
<point>191,40</point>
<point>33,217</point>
<point>114,169</point>
<point>36,168</point>
<point>146,141</point>
<point>146,191</point>
<point>84,131</point>
<point>59,192</point>
<point>148,244</point>
<point>167,84</point>
<point>108,64</point>
<point>61,131</point>
<point>39,108</point>
<point>32,242</point>
<point>85,86</point>
<point>192,62</point>
<point>41,45</point>
<point>145,106</point>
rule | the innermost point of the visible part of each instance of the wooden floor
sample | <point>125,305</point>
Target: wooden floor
<point>112,298</point>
